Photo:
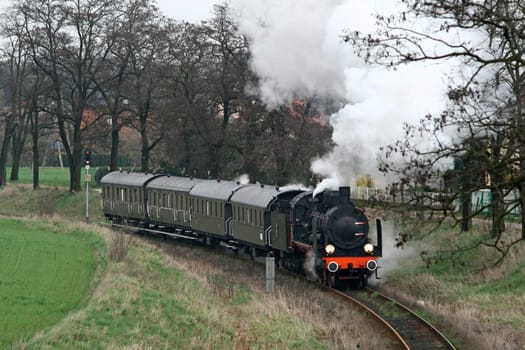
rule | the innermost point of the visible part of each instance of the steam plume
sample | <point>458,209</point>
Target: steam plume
<point>297,51</point>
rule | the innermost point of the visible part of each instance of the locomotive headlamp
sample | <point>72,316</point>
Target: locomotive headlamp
<point>368,248</point>
<point>329,249</point>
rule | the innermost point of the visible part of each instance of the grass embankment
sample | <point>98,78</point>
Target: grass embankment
<point>149,301</point>
<point>483,304</point>
<point>44,275</point>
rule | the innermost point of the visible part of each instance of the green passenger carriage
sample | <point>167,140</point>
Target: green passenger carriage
<point>169,201</point>
<point>123,195</point>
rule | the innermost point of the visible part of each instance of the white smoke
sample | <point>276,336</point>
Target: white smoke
<point>290,43</point>
<point>297,51</point>
<point>243,179</point>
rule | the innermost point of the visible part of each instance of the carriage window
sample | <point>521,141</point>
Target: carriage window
<point>208,208</point>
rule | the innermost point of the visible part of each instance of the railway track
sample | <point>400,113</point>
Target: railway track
<point>412,331</point>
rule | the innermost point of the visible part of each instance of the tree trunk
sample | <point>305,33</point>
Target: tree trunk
<point>16,152</point>
<point>115,139</point>
<point>144,157</point>
<point>36,151</point>
<point>466,207</point>
<point>498,213</point>
<point>3,152</point>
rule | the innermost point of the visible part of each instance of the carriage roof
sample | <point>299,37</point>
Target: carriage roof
<point>124,178</point>
<point>215,189</point>
<point>173,183</point>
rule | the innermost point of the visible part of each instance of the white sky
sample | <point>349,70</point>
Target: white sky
<point>189,10</point>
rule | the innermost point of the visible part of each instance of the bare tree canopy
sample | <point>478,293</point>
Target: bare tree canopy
<point>483,127</point>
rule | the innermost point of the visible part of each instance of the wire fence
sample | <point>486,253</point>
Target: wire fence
<point>481,200</point>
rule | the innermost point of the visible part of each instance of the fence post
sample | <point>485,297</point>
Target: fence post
<point>270,274</point>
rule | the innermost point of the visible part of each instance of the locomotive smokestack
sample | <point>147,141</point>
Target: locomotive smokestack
<point>344,195</point>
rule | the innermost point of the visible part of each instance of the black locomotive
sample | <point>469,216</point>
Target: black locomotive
<point>325,236</point>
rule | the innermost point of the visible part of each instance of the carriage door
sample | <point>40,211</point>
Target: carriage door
<point>277,227</point>
<point>228,219</point>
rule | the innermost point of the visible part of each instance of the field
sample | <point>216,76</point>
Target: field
<point>143,293</point>
<point>44,276</point>
<point>49,176</point>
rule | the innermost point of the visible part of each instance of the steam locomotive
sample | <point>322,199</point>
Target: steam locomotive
<point>325,237</point>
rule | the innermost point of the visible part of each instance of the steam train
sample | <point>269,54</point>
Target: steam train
<point>325,237</point>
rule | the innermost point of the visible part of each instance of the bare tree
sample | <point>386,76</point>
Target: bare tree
<point>487,112</point>
<point>228,74</point>
<point>17,69</point>
<point>129,36</point>
<point>67,43</point>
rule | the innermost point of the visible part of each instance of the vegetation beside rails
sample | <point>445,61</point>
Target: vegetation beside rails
<point>458,283</point>
<point>49,201</point>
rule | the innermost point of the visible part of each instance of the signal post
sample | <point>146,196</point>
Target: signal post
<point>87,164</point>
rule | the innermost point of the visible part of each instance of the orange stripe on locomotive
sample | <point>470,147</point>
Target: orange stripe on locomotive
<point>349,262</point>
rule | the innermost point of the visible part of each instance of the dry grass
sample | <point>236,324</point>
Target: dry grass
<point>339,325</point>
<point>481,305</point>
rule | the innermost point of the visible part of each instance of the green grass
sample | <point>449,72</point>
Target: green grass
<point>144,302</point>
<point>49,201</point>
<point>49,176</point>
<point>44,275</point>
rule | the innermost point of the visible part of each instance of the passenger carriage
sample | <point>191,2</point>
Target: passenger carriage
<point>169,201</point>
<point>123,196</point>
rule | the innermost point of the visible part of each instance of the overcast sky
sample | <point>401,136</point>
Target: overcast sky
<point>189,10</point>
